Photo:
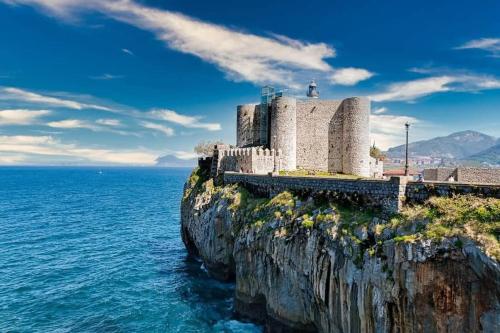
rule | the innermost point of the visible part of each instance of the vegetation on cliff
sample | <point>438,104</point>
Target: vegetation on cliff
<point>463,216</point>
<point>317,263</point>
<point>458,219</point>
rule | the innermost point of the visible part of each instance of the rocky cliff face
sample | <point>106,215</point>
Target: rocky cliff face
<point>323,272</point>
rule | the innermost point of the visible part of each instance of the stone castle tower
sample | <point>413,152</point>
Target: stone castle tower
<point>314,134</point>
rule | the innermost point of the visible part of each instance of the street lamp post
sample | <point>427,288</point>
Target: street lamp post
<point>407,171</point>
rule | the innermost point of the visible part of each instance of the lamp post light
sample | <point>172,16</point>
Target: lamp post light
<point>407,171</point>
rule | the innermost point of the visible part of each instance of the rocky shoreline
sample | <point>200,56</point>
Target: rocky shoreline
<point>310,274</point>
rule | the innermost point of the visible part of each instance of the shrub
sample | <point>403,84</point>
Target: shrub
<point>308,223</point>
<point>462,215</point>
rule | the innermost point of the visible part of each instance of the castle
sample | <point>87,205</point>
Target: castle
<point>286,133</point>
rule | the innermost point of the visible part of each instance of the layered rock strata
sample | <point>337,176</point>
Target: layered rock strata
<point>294,276</point>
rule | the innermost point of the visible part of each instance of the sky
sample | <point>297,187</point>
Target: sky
<point>122,82</point>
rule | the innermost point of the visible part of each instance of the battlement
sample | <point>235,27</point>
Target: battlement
<point>255,160</point>
<point>252,151</point>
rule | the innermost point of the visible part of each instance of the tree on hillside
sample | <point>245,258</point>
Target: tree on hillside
<point>206,148</point>
<point>376,153</point>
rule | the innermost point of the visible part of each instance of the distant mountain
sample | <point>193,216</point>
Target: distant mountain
<point>172,161</point>
<point>488,156</point>
<point>457,145</point>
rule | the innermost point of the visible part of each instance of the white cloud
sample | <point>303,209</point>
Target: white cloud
<point>11,159</point>
<point>412,90</point>
<point>103,124</point>
<point>21,95</point>
<point>127,51</point>
<point>380,110</point>
<point>109,122</point>
<point>21,116</point>
<point>158,127</point>
<point>183,120</point>
<point>241,55</point>
<point>107,125</point>
<point>388,130</point>
<point>106,77</point>
<point>185,155</point>
<point>350,76</point>
<point>72,123</point>
<point>491,45</point>
<point>25,149</point>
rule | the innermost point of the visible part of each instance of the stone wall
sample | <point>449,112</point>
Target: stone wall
<point>479,175</point>
<point>314,118</point>
<point>356,136</point>
<point>439,174</point>
<point>248,160</point>
<point>417,192</point>
<point>205,163</point>
<point>284,130</point>
<point>334,135</point>
<point>378,194</point>
<point>376,168</point>
<point>262,127</point>
<point>464,175</point>
<point>248,125</point>
<point>387,195</point>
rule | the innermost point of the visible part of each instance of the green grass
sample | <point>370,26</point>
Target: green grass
<point>308,223</point>
<point>463,215</point>
<point>195,182</point>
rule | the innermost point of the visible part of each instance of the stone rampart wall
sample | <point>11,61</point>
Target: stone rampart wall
<point>387,195</point>
<point>464,175</point>
<point>379,194</point>
<point>439,174</point>
<point>205,163</point>
<point>248,160</point>
<point>479,175</point>
<point>417,192</point>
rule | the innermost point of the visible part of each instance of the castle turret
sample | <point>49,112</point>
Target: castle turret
<point>245,125</point>
<point>284,130</point>
<point>356,136</point>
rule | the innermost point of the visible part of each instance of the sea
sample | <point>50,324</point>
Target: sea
<point>88,249</point>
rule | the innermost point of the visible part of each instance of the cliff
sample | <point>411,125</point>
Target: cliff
<point>309,264</point>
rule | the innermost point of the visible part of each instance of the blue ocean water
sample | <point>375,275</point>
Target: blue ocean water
<point>99,250</point>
